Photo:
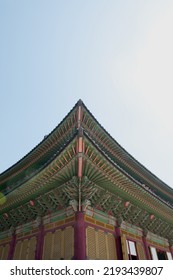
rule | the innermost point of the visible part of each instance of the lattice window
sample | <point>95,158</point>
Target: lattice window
<point>102,245</point>
<point>141,252</point>
<point>47,249</point>
<point>24,249</point>
<point>57,246</point>
<point>111,247</point>
<point>4,250</point>
<point>69,243</point>
<point>31,248</point>
<point>124,247</point>
<point>17,252</point>
<point>91,243</point>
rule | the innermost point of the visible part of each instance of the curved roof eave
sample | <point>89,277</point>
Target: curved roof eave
<point>129,159</point>
<point>130,164</point>
<point>10,172</point>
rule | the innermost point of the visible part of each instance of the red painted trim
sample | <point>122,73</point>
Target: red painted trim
<point>80,145</point>
<point>146,248</point>
<point>25,237</point>
<point>133,238</point>
<point>118,243</point>
<point>5,243</point>
<point>12,247</point>
<point>62,227</point>
<point>80,159</point>
<point>99,227</point>
<point>80,167</point>
<point>158,247</point>
<point>79,116</point>
<point>40,242</point>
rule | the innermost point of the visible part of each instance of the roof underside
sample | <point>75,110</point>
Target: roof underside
<point>49,176</point>
<point>103,184</point>
<point>56,141</point>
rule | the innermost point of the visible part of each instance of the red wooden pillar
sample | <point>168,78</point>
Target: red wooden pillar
<point>79,227</point>
<point>12,247</point>
<point>146,249</point>
<point>79,237</point>
<point>40,242</point>
<point>118,243</point>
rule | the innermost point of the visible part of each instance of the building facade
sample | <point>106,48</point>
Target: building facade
<point>79,195</point>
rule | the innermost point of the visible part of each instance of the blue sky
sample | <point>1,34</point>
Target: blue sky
<point>114,55</point>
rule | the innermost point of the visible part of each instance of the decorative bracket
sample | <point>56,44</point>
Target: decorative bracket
<point>74,204</point>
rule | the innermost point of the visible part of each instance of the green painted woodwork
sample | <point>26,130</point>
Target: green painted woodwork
<point>48,175</point>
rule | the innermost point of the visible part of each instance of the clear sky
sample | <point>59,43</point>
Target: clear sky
<point>117,56</point>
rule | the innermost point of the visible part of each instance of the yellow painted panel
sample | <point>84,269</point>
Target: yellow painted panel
<point>90,220</point>
<point>49,226</point>
<point>91,243</point>
<point>124,247</point>
<point>2,241</point>
<point>101,224</point>
<point>1,252</point>
<point>6,251</point>
<point>59,223</point>
<point>69,243</point>
<point>70,219</point>
<point>131,234</point>
<point>52,245</point>
<point>62,244</point>
<point>31,248</point>
<point>110,227</point>
<point>17,252</point>
<point>140,250</point>
<point>102,245</point>
<point>97,244</point>
<point>111,247</point>
<point>56,255</point>
<point>24,249</point>
<point>59,245</point>
<point>47,246</point>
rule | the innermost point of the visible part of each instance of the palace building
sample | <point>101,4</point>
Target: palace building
<point>79,195</point>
